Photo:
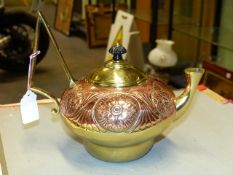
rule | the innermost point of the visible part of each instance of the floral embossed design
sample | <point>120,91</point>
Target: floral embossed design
<point>117,112</point>
<point>78,106</point>
<point>72,101</point>
<point>129,109</point>
<point>162,103</point>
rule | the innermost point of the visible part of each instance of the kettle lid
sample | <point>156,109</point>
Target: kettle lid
<point>117,72</point>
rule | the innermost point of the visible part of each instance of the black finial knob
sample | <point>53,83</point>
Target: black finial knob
<point>117,52</point>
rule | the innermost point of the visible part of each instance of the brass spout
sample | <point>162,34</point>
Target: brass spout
<point>193,77</point>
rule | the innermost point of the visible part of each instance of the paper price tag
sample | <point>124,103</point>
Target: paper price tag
<point>29,108</point>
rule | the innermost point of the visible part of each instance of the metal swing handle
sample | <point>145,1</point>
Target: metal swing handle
<point>41,19</point>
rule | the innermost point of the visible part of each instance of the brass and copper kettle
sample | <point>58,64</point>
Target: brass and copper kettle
<point>118,110</point>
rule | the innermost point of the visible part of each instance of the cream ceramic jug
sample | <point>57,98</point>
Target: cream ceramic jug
<point>163,55</point>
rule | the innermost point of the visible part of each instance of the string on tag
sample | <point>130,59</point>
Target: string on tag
<point>28,104</point>
<point>31,68</point>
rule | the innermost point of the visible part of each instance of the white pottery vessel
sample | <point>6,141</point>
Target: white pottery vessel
<point>163,55</point>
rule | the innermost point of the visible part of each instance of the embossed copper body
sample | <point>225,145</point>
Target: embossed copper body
<point>117,110</point>
<point>118,124</point>
<point>108,109</point>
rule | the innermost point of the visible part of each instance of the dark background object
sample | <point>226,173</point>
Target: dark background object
<point>19,27</point>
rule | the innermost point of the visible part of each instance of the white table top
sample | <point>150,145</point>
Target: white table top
<point>201,143</point>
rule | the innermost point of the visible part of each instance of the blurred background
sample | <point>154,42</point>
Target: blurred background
<point>201,30</point>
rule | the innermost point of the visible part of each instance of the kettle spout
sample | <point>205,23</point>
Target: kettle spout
<point>193,77</point>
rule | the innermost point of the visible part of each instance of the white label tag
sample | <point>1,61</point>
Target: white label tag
<point>29,108</point>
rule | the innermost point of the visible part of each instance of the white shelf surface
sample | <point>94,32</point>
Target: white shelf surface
<point>201,142</point>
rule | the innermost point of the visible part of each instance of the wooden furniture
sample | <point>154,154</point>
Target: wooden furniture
<point>98,17</point>
<point>218,79</point>
<point>99,21</point>
<point>152,19</point>
<point>203,35</point>
<point>63,17</point>
<point>191,28</point>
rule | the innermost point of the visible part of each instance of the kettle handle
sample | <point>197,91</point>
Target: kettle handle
<point>40,19</point>
<point>61,57</point>
<point>40,91</point>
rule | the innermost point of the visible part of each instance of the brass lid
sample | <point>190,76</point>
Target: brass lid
<point>117,72</point>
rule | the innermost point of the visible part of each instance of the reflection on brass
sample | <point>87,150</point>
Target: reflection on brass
<point>193,77</point>
<point>117,74</point>
<point>118,110</point>
<point>120,124</point>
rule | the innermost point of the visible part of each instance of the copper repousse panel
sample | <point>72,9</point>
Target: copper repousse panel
<point>116,112</point>
<point>108,109</point>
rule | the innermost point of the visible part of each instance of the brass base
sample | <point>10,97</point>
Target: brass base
<point>119,154</point>
<point>118,147</point>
